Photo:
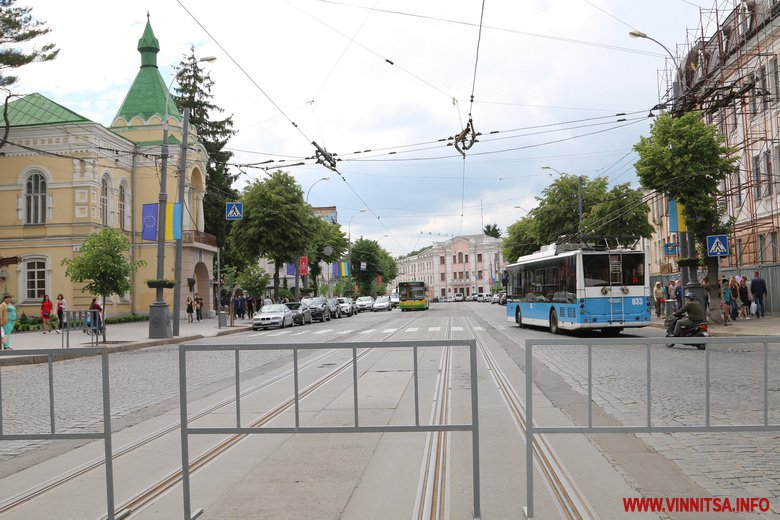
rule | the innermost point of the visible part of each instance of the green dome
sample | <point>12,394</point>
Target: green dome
<point>148,94</point>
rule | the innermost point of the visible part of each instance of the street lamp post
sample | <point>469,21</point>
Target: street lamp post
<point>688,277</point>
<point>313,185</point>
<point>579,190</point>
<point>349,255</point>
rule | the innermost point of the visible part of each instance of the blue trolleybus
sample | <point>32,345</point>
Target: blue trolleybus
<point>600,283</point>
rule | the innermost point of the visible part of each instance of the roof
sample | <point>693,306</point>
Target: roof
<point>38,110</point>
<point>148,95</point>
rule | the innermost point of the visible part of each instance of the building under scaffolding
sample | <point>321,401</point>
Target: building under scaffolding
<point>729,71</point>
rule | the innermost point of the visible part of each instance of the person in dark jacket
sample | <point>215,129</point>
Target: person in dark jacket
<point>758,289</point>
<point>694,311</point>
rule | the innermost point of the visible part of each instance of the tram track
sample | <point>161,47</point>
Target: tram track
<point>431,500</point>
<point>127,508</point>
<point>567,496</point>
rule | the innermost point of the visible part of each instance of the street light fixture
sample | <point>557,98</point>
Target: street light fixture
<point>159,317</point>
<point>313,185</point>
<point>579,189</point>
<point>640,34</point>
<point>349,240</point>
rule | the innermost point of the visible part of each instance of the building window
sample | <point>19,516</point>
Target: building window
<point>479,257</point>
<point>441,260</point>
<point>775,78</point>
<point>122,206</point>
<point>754,95</point>
<point>35,279</point>
<point>765,95</point>
<point>454,259</point>
<point>757,177</point>
<point>761,249</point>
<point>442,277</point>
<point>35,199</point>
<point>738,259</point>
<point>443,292</point>
<point>772,251</point>
<point>479,275</point>
<point>460,258</point>
<point>466,258</point>
<point>769,177</point>
<point>104,202</point>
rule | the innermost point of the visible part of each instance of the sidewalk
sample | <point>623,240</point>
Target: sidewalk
<point>119,337</point>
<point>766,326</point>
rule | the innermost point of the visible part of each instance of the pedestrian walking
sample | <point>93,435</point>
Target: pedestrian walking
<point>190,309</point>
<point>678,294</point>
<point>62,306</point>
<point>250,306</point>
<point>98,325</point>
<point>758,288</point>
<point>7,320</point>
<point>744,298</point>
<point>46,311</point>
<point>734,301</point>
<point>658,296</point>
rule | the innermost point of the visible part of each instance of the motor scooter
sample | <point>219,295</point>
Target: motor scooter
<point>697,330</point>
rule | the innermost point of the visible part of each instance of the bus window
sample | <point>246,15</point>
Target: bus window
<point>604,270</point>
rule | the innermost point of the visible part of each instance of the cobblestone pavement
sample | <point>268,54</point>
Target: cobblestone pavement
<point>138,380</point>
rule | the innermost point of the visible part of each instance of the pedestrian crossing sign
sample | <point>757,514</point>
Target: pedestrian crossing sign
<point>234,210</point>
<point>717,245</point>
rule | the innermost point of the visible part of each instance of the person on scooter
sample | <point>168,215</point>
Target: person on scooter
<point>694,311</point>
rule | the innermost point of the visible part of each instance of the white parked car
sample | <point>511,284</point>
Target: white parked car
<point>274,315</point>
<point>459,297</point>
<point>347,306</point>
<point>382,303</point>
<point>395,300</point>
<point>364,303</point>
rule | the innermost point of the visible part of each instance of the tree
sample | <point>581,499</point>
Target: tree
<point>492,230</point>
<point>276,223</point>
<point>17,27</point>
<point>378,263</point>
<point>623,209</point>
<point>194,92</point>
<point>328,244</point>
<point>103,264</point>
<point>557,211</point>
<point>253,280</point>
<point>521,240</point>
<point>685,158</point>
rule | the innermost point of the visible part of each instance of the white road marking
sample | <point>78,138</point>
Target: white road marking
<point>411,329</point>
<point>369,331</point>
<point>299,333</point>
<point>280,333</point>
<point>478,328</point>
<point>344,331</point>
<point>434,329</point>
<point>456,328</point>
<point>323,331</point>
<point>388,330</point>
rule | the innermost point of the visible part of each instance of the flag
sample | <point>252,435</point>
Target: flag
<point>676,217</point>
<point>344,268</point>
<point>172,221</point>
<point>336,270</point>
<point>290,269</point>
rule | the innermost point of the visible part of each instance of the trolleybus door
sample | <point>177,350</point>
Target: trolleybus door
<point>616,300</point>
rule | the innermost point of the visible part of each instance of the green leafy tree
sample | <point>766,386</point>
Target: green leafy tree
<point>253,280</point>
<point>328,244</point>
<point>103,264</point>
<point>557,213</point>
<point>18,27</point>
<point>686,159</point>
<point>623,211</point>
<point>378,263</point>
<point>194,92</point>
<point>521,239</point>
<point>492,230</point>
<point>276,223</point>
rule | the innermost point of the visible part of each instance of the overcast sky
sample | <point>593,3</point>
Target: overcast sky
<point>395,77</point>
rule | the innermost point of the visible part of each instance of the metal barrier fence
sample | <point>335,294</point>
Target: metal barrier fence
<point>87,322</point>
<point>186,430</point>
<point>707,427</point>
<point>53,435</point>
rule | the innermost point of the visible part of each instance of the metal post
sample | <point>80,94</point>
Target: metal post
<point>475,428</point>
<point>185,454</point>
<point>109,452</point>
<point>179,245</point>
<point>219,293</point>
<point>579,197</point>
<point>529,433</point>
<point>159,317</point>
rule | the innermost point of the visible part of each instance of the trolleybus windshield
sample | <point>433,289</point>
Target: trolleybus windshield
<point>614,269</point>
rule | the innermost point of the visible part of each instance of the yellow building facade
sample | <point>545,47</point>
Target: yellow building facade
<point>64,177</point>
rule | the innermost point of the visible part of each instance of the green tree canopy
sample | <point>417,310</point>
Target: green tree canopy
<point>621,210</point>
<point>521,239</point>
<point>492,230</point>
<point>378,263</point>
<point>18,27</point>
<point>276,223</point>
<point>328,244</point>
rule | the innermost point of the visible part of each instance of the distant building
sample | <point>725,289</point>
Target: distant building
<point>65,177</point>
<point>466,264</point>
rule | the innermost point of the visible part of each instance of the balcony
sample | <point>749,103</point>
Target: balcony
<point>199,237</point>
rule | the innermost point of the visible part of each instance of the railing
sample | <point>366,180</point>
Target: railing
<point>707,427</point>
<point>53,435</point>
<point>87,322</point>
<point>186,430</point>
<point>200,237</point>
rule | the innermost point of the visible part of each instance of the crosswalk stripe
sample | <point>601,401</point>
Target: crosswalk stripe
<point>369,331</point>
<point>479,328</point>
<point>411,329</point>
<point>434,329</point>
<point>299,333</point>
<point>344,331</point>
<point>323,331</point>
<point>388,330</point>
<point>280,333</point>
<point>456,328</point>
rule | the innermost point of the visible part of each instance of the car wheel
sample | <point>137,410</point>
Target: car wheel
<point>519,318</point>
<point>282,324</point>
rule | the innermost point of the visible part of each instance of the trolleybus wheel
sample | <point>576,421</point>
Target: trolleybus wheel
<point>519,318</point>
<point>553,322</point>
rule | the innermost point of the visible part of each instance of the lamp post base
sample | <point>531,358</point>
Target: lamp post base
<point>159,321</point>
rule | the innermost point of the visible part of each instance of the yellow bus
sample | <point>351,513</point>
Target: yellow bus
<point>413,296</point>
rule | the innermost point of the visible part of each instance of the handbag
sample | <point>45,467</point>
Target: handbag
<point>45,314</point>
<point>753,308</point>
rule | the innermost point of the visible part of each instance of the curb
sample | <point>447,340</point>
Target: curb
<point>713,334</point>
<point>20,358</point>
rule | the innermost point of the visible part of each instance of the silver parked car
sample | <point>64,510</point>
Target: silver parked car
<point>382,303</point>
<point>274,315</point>
<point>301,313</point>
<point>364,303</point>
<point>347,306</point>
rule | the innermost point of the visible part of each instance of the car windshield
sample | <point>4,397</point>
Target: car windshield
<point>277,307</point>
<point>313,301</point>
<point>342,300</point>
<point>382,299</point>
<point>293,305</point>
<point>364,299</point>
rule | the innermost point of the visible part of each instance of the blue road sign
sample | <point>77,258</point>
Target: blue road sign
<point>717,245</point>
<point>234,210</point>
<point>670,249</point>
